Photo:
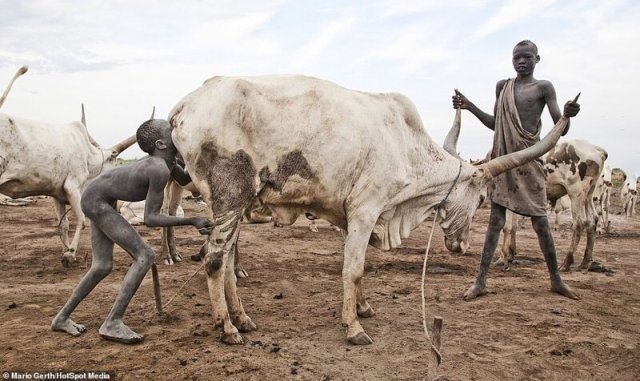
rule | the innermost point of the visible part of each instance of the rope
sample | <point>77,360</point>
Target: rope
<point>439,205</point>
<point>60,223</point>
<point>181,287</point>
<point>424,264</point>
<point>424,308</point>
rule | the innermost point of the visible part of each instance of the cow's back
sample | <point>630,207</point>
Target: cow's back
<point>337,132</point>
<point>570,162</point>
<point>36,157</point>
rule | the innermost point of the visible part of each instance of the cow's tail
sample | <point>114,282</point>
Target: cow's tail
<point>20,71</point>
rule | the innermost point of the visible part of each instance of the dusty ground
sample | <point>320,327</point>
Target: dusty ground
<point>520,331</point>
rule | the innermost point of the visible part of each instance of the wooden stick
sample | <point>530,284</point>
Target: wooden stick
<point>156,288</point>
<point>435,358</point>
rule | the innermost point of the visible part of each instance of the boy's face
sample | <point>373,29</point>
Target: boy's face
<point>524,59</point>
<point>165,133</point>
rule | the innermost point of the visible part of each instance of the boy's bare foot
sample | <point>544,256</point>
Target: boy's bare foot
<point>474,291</point>
<point>67,325</point>
<point>561,288</point>
<point>117,331</point>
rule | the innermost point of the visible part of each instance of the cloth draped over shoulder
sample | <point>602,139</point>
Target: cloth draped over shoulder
<point>522,189</point>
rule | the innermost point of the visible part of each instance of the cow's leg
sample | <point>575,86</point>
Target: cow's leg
<point>605,209</point>
<point>591,221</point>
<point>355,247</point>
<point>578,218</point>
<point>228,184</point>
<point>238,315</point>
<point>73,193</point>
<point>238,269</point>
<point>507,249</point>
<point>173,197</point>
<point>63,222</point>
<point>222,291</point>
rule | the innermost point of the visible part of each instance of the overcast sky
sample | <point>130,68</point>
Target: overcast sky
<point>122,58</point>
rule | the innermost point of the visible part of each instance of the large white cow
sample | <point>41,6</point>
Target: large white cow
<point>57,160</point>
<point>362,161</point>
<point>573,168</point>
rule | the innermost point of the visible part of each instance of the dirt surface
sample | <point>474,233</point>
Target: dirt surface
<point>520,331</point>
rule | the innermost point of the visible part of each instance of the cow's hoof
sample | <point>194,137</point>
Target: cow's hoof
<point>172,259</point>
<point>369,312</point>
<point>360,339</point>
<point>232,338</point>
<point>241,273</point>
<point>245,326</point>
<point>565,268</point>
<point>68,259</point>
<point>584,266</point>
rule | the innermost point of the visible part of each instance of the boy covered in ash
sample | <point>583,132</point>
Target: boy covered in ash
<point>143,180</point>
<point>516,122</point>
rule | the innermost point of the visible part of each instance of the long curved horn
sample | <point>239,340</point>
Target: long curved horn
<point>83,120</point>
<point>504,163</point>
<point>123,145</point>
<point>20,71</point>
<point>153,113</point>
<point>451,140</point>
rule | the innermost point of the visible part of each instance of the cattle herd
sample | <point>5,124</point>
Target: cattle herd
<point>277,143</point>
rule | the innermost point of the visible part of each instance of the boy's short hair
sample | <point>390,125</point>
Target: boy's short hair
<point>147,135</point>
<point>527,43</point>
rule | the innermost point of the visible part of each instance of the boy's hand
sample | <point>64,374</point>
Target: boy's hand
<point>204,226</point>
<point>460,101</point>
<point>571,108</point>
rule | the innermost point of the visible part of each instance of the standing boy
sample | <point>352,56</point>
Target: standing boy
<point>516,122</point>
<point>143,180</point>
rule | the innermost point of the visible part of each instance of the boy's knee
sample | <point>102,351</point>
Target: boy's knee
<point>540,224</point>
<point>102,268</point>
<point>146,257</point>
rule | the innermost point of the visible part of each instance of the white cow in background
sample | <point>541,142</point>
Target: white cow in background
<point>133,212</point>
<point>629,197</point>
<point>573,168</point>
<point>361,161</point>
<point>57,160</point>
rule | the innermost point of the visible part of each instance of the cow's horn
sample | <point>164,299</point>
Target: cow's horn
<point>153,113</point>
<point>83,119</point>
<point>123,145</point>
<point>504,163</point>
<point>451,141</point>
<point>20,71</point>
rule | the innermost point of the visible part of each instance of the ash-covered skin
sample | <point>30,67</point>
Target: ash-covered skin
<point>531,97</point>
<point>142,180</point>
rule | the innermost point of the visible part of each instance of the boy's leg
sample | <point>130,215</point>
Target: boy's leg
<point>122,233</point>
<point>101,264</point>
<point>496,223</point>
<point>545,239</point>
